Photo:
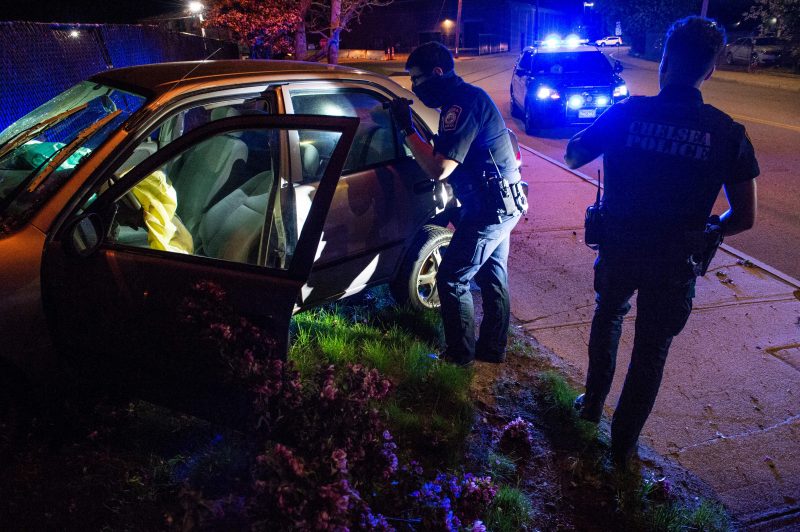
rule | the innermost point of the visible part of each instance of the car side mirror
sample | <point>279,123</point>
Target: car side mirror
<point>618,66</point>
<point>84,235</point>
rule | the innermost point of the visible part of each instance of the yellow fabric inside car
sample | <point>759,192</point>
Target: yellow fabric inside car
<point>159,201</point>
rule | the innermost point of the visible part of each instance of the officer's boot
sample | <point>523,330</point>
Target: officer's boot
<point>589,408</point>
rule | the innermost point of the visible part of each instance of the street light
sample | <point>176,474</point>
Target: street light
<point>196,8</point>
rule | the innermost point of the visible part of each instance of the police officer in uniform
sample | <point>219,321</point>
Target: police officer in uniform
<point>473,151</point>
<point>665,159</point>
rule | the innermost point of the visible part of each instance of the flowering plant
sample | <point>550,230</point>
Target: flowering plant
<point>516,436</point>
<point>325,459</point>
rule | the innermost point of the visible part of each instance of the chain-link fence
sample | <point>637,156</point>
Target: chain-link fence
<point>38,61</point>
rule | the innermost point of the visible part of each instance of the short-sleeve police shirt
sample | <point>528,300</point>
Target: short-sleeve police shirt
<point>470,125</point>
<point>666,158</point>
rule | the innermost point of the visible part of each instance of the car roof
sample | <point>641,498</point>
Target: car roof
<point>156,79</point>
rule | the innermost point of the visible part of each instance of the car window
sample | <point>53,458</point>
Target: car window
<point>214,199</point>
<point>768,41</point>
<point>375,141</point>
<point>186,119</point>
<point>571,62</point>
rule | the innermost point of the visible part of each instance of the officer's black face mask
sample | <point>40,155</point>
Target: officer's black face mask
<point>433,91</point>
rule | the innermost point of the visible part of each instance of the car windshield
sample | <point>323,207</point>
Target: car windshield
<point>768,41</point>
<point>571,62</point>
<point>42,149</point>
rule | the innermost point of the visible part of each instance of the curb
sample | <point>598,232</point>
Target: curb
<point>786,278</point>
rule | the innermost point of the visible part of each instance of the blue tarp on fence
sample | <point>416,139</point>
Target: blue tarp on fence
<point>38,61</point>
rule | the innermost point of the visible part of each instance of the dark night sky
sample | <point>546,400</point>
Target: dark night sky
<point>129,11</point>
<point>117,11</point>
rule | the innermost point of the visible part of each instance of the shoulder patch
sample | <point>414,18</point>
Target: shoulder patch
<point>450,119</point>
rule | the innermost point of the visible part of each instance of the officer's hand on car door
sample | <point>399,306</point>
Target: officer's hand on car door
<point>400,108</point>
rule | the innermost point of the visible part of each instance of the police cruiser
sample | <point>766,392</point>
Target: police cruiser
<point>560,82</point>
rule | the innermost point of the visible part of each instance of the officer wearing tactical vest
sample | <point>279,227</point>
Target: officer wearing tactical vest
<point>473,151</point>
<point>665,159</point>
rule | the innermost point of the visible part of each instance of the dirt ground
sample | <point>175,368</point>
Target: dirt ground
<point>571,487</point>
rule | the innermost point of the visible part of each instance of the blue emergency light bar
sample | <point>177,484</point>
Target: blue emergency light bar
<point>555,41</point>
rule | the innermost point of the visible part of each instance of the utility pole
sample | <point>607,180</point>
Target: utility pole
<point>458,26</point>
<point>704,9</point>
<point>536,23</point>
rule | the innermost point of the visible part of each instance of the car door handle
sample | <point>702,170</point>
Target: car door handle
<point>423,187</point>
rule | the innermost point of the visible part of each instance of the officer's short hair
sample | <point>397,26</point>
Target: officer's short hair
<point>430,55</point>
<point>693,44</point>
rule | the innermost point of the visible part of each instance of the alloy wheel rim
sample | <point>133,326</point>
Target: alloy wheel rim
<point>427,290</point>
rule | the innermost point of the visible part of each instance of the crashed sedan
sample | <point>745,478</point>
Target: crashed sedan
<point>287,184</point>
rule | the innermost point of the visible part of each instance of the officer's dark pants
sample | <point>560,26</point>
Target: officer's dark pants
<point>664,302</point>
<point>478,250</point>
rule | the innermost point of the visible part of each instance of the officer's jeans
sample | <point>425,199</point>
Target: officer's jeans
<point>664,302</point>
<point>478,250</point>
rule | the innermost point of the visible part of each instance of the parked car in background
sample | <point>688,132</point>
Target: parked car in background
<point>284,183</point>
<point>756,51</point>
<point>559,83</point>
<point>611,40</point>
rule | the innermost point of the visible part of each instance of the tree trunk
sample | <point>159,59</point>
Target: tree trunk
<point>300,43</point>
<point>336,29</point>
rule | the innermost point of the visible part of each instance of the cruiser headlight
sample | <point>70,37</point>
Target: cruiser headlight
<point>546,92</point>
<point>620,91</point>
<point>575,101</point>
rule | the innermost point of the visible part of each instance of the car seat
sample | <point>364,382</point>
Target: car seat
<point>231,229</point>
<point>205,168</point>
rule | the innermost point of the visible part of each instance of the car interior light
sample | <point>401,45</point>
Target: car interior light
<point>575,101</point>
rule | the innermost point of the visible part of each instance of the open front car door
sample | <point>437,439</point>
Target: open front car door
<point>135,278</point>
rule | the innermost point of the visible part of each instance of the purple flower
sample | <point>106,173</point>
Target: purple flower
<point>339,457</point>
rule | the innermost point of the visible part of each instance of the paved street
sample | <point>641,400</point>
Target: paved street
<point>772,118</point>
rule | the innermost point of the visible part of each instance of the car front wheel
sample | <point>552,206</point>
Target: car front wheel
<point>415,283</point>
<point>729,59</point>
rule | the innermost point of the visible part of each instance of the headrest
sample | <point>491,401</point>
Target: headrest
<point>309,155</point>
<point>380,116</point>
<point>223,112</point>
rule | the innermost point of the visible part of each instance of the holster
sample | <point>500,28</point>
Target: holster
<point>506,198</point>
<point>703,245</point>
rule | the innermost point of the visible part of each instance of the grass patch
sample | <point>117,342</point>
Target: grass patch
<point>431,410</point>
<point>510,511</point>
<point>501,467</point>
<point>672,517</point>
<point>559,397</point>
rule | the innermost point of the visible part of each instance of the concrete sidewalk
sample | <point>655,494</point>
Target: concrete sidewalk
<point>729,405</point>
<point>758,77</point>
